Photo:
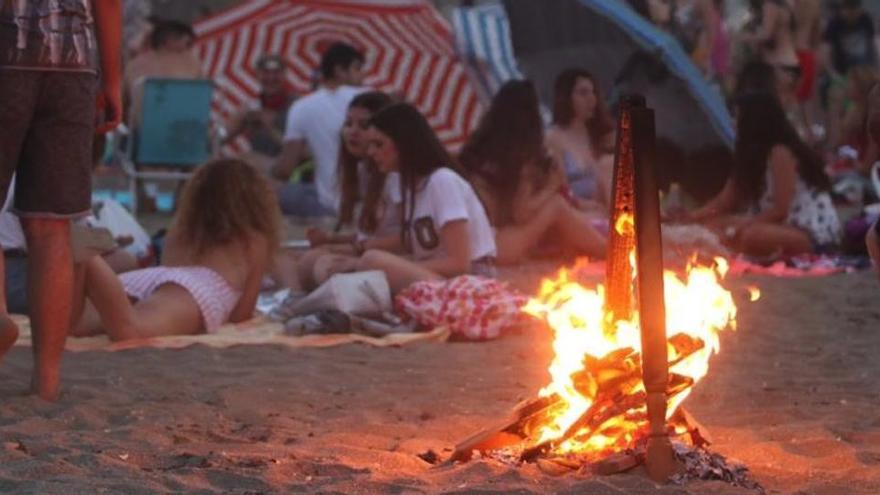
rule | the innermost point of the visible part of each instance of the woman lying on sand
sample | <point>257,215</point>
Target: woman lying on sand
<point>444,228</point>
<point>364,187</point>
<point>779,181</point>
<point>520,183</point>
<point>218,247</point>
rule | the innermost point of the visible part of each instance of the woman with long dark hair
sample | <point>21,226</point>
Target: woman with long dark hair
<point>444,229</point>
<point>583,135</point>
<point>519,182</point>
<point>369,200</point>
<point>778,181</point>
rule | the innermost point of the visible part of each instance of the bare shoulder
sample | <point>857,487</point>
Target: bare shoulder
<point>553,137</point>
<point>782,162</point>
<point>781,155</point>
<point>257,246</point>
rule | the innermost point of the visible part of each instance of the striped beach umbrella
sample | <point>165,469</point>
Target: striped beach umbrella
<point>409,49</point>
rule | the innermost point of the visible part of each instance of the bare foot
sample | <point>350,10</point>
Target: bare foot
<point>46,385</point>
<point>8,334</point>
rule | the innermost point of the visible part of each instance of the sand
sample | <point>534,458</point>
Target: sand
<point>794,395</point>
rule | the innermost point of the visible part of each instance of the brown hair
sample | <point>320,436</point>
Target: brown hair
<point>226,201</point>
<point>349,179</point>
<point>563,111</point>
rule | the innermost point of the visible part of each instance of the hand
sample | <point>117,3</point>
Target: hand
<point>317,237</point>
<point>109,107</point>
<point>124,240</point>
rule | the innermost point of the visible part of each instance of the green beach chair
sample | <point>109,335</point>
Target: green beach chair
<point>174,132</point>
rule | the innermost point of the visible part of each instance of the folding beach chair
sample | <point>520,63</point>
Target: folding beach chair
<point>174,132</point>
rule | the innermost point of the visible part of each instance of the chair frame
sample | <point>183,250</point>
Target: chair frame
<point>128,162</point>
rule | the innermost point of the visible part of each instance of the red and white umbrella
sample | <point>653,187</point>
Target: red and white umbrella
<point>408,45</point>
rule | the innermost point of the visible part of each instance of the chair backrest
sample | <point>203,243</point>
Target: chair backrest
<point>175,122</point>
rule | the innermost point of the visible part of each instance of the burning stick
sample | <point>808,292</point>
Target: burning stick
<point>621,240</point>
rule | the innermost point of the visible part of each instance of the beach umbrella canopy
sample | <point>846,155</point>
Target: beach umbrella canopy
<point>408,45</point>
<point>625,53</point>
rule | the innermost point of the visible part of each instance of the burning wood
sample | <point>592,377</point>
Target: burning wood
<point>618,381</point>
<point>613,379</point>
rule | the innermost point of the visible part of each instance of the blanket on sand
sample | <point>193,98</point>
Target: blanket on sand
<point>254,332</point>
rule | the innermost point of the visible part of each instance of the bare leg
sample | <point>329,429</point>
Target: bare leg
<point>8,330</point>
<point>305,268</point>
<point>873,247</point>
<point>171,310</point>
<point>330,264</point>
<point>765,239</point>
<point>401,272</point>
<point>50,298</point>
<point>572,226</point>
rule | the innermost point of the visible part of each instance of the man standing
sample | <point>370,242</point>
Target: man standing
<point>314,124</point>
<point>49,52</point>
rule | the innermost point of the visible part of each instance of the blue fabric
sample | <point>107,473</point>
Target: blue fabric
<point>301,200</point>
<point>175,125</point>
<point>16,285</point>
<point>483,40</point>
<point>653,40</point>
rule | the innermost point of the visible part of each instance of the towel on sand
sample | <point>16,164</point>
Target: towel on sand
<point>254,332</point>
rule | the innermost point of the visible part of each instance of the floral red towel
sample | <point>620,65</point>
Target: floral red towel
<point>473,307</point>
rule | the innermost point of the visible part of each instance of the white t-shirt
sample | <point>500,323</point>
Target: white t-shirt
<point>447,197</point>
<point>317,118</point>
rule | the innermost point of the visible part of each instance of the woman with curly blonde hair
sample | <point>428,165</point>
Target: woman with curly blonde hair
<point>220,244</point>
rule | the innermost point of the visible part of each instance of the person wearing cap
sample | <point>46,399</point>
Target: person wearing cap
<point>262,124</point>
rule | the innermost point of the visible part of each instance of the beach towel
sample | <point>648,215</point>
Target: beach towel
<point>472,307</point>
<point>810,265</point>
<point>258,331</point>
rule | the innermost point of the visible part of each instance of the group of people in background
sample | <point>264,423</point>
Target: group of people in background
<point>516,189</point>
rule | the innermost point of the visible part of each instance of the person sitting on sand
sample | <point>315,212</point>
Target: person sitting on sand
<point>780,181</point>
<point>364,187</point>
<point>519,182</point>
<point>444,229</point>
<point>218,247</point>
<point>872,124</point>
<point>583,136</point>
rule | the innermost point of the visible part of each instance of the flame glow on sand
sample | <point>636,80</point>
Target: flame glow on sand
<point>696,306</point>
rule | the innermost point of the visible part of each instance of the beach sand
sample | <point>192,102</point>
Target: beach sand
<point>794,394</point>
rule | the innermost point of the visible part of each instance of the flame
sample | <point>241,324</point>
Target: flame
<point>697,306</point>
<point>754,293</point>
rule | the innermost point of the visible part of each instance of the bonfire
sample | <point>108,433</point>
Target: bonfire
<point>628,352</point>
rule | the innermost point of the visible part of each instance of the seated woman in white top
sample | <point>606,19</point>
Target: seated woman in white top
<point>444,229</point>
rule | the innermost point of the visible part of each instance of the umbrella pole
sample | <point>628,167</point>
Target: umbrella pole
<point>660,460</point>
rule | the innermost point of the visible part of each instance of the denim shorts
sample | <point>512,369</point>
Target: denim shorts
<point>47,125</point>
<point>484,267</point>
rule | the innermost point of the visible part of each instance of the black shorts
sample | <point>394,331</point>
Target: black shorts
<point>47,125</point>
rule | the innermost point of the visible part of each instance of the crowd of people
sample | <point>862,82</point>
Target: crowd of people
<point>403,203</point>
